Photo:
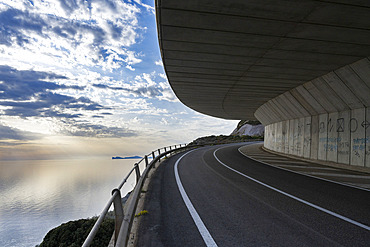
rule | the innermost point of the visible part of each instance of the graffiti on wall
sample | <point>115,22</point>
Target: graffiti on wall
<point>352,125</point>
<point>342,137</point>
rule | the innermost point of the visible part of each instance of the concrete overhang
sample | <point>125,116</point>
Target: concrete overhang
<point>228,58</point>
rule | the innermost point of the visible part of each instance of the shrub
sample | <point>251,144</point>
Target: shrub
<point>74,233</point>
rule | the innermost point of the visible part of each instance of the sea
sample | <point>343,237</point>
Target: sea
<point>38,195</point>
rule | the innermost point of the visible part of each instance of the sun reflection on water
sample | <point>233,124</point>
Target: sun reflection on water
<point>36,196</point>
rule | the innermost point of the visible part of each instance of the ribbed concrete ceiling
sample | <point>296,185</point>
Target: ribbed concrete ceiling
<point>227,58</point>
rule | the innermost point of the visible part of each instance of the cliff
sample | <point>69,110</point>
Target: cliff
<point>249,128</point>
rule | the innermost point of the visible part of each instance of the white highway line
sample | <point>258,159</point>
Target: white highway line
<point>208,240</point>
<point>294,197</point>
<point>302,173</point>
<point>339,175</point>
<point>308,167</point>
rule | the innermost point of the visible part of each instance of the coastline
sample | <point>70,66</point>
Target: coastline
<point>73,224</point>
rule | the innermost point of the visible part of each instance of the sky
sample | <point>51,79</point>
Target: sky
<point>84,78</point>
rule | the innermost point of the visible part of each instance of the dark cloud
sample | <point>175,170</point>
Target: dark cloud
<point>149,92</point>
<point>116,30</point>
<point>8,133</point>
<point>12,143</point>
<point>69,5</point>
<point>30,94</point>
<point>97,130</point>
<point>109,87</point>
<point>14,21</point>
<point>65,31</point>
<point>24,84</point>
<point>17,27</point>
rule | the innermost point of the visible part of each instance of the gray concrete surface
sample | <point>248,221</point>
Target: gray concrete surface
<point>240,212</point>
<point>276,61</point>
<point>228,58</point>
<point>341,137</point>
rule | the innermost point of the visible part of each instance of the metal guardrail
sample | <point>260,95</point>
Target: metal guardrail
<point>123,221</point>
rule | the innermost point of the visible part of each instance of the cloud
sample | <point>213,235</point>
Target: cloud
<point>94,33</point>
<point>153,91</point>
<point>31,94</point>
<point>22,84</point>
<point>148,7</point>
<point>96,130</point>
<point>2,144</point>
<point>159,63</point>
<point>143,86</point>
<point>68,5</point>
<point>9,133</point>
<point>164,121</point>
<point>14,23</point>
<point>51,46</point>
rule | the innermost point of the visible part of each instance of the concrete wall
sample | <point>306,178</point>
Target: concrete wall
<point>342,137</point>
<point>327,118</point>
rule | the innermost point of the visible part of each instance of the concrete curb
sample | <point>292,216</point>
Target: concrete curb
<point>320,162</point>
<point>140,206</point>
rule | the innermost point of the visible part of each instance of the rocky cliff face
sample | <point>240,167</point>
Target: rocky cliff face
<point>249,128</point>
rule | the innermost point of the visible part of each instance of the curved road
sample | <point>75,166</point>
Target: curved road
<point>215,196</point>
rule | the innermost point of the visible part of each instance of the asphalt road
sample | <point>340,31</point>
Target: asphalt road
<point>215,196</point>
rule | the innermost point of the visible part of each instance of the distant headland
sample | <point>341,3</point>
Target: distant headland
<point>126,158</point>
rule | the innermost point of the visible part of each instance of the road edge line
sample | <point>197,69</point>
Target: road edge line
<point>294,197</point>
<point>208,240</point>
<point>304,174</point>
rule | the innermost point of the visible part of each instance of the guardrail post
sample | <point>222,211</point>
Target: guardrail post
<point>118,213</point>
<point>146,161</point>
<point>153,159</point>
<point>137,170</point>
<point>159,151</point>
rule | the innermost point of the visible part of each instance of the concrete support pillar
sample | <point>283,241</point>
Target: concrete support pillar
<point>332,141</point>
<point>323,136</point>
<point>344,136</point>
<point>285,137</point>
<point>314,137</point>
<point>291,136</point>
<point>358,137</point>
<point>366,126</point>
<point>307,133</point>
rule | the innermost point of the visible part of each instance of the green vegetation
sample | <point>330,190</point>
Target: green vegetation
<point>143,212</point>
<point>74,233</point>
<point>224,139</point>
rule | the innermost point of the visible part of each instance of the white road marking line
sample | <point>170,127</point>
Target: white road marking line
<point>304,174</point>
<point>341,175</point>
<point>208,240</point>
<point>309,167</point>
<point>294,197</point>
<point>363,185</point>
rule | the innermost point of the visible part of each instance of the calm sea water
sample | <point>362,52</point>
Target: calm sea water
<point>36,196</point>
